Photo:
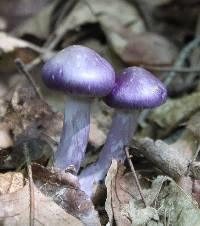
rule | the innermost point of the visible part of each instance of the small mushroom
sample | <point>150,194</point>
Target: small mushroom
<point>82,74</point>
<point>135,89</point>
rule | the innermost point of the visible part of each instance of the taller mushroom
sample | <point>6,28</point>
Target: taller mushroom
<point>81,73</point>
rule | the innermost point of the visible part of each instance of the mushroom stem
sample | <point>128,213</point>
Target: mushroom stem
<point>122,130</point>
<point>75,133</point>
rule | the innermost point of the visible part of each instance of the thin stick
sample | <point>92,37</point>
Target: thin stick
<point>21,67</point>
<point>66,9</point>
<point>185,52</point>
<point>193,159</point>
<point>145,13</point>
<point>31,186</point>
<point>172,69</point>
<point>52,40</point>
<point>126,149</point>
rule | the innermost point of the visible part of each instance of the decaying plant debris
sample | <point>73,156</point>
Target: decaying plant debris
<point>161,36</point>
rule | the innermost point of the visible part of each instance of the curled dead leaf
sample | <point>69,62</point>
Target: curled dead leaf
<point>64,189</point>
<point>15,210</point>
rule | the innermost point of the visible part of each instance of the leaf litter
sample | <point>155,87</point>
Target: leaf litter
<point>170,181</point>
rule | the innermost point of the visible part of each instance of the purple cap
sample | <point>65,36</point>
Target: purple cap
<point>78,70</point>
<point>136,88</point>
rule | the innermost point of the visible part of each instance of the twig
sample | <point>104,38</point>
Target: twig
<point>193,160</point>
<point>126,149</point>
<point>185,52</point>
<point>58,34</point>
<point>145,13</point>
<point>31,186</point>
<point>172,69</point>
<point>21,67</point>
<point>52,40</point>
<point>65,10</point>
<point>169,160</point>
<point>91,9</point>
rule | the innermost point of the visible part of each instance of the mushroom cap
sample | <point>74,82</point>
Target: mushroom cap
<point>78,70</point>
<point>136,88</point>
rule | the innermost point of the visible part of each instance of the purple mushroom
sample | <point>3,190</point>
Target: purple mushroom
<point>81,73</point>
<point>135,89</point>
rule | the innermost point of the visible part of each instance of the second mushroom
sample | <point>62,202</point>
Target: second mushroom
<point>135,89</point>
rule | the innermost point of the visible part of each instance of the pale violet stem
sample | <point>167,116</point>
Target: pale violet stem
<point>121,133</point>
<point>75,134</point>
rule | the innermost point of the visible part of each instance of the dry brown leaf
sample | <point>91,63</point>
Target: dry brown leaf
<point>12,48</point>
<point>123,203</point>
<point>15,210</point>
<point>11,182</point>
<point>9,43</point>
<point>80,15</point>
<point>5,137</point>
<point>39,24</point>
<point>64,189</point>
<point>161,197</point>
<point>28,119</point>
<point>148,49</point>
<point>112,15</point>
<point>16,12</point>
<point>117,197</point>
<point>127,36</point>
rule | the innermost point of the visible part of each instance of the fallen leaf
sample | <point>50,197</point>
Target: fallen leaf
<point>11,182</point>
<point>15,210</point>
<point>80,15</point>
<point>64,189</point>
<point>38,25</point>
<point>127,36</point>
<point>18,11</point>
<point>5,137</point>
<point>116,196</point>
<point>109,16</point>
<point>12,48</point>
<point>9,44</point>
<point>148,49</point>
<point>166,201</point>
<point>177,206</point>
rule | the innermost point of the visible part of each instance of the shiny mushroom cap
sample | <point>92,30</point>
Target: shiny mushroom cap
<point>78,70</point>
<point>136,88</point>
